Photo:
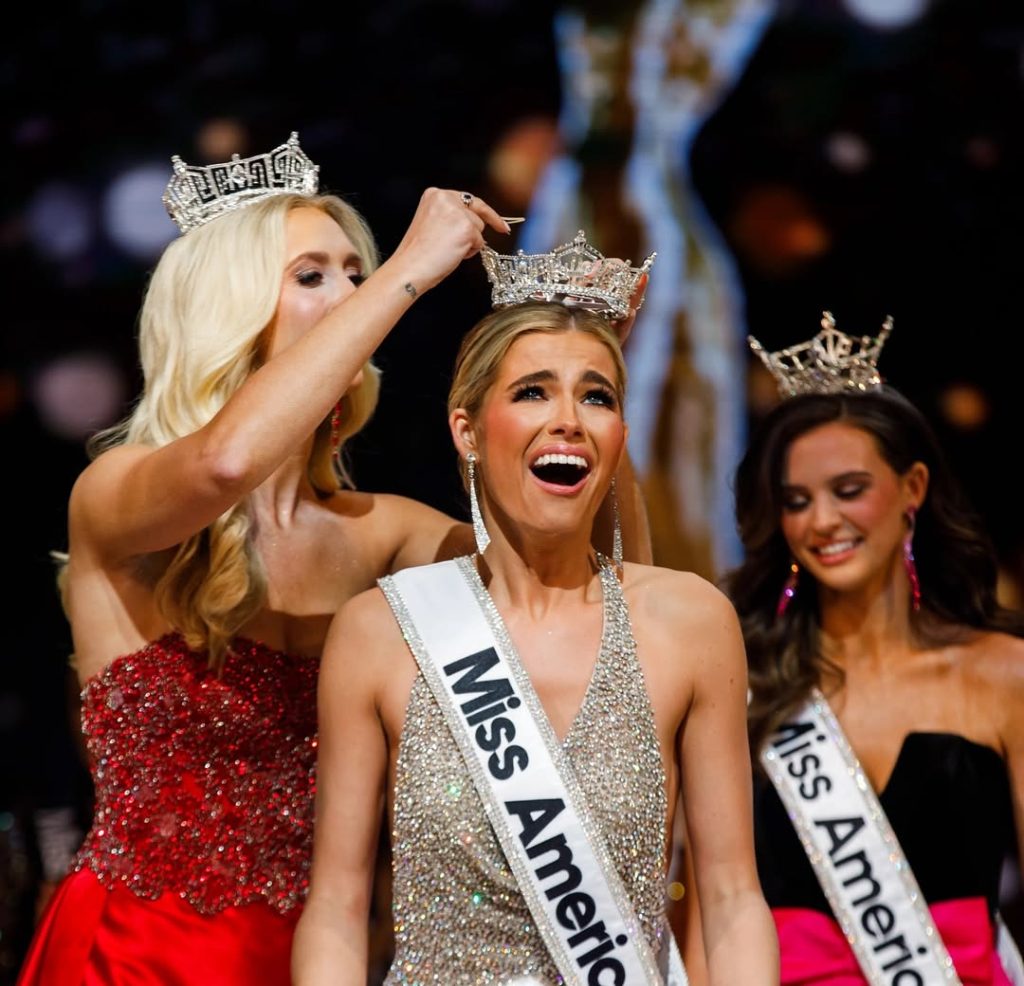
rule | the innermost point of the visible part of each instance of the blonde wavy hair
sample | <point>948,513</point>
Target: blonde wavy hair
<point>209,301</point>
<point>485,346</point>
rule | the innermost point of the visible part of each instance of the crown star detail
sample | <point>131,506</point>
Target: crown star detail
<point>830,363</point>
<point>575,274</point>
<point>198,193</point>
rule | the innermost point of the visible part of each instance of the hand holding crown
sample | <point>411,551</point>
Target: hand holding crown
<point>446,229</point>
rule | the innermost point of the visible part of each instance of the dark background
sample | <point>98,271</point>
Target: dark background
<point>864,171</point>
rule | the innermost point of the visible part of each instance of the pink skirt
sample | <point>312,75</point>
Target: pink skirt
<point>813,951</point>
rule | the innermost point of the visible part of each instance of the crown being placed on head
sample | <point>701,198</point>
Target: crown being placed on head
<point>830,363</point>
<point>198,193</point>
<point>575,274</point>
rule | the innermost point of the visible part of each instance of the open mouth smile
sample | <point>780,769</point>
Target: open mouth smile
<point>836,551</point>
<point>561,472</point>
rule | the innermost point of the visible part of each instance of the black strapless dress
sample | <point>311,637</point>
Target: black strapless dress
<point>948,801</point>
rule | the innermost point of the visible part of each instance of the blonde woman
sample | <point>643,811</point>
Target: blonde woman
<point>210,543</point>
<point>530,785</point>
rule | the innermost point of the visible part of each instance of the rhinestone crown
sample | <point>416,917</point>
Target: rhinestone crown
<point>830,363</point>
<point>575,274</point>
<point>197,193</point>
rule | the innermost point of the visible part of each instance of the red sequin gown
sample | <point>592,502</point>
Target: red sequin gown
<point>198,859</point>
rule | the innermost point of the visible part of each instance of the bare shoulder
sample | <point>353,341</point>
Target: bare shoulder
<point>996,661</point>
<point>406,509</point>
<point>109,467</point>
<point>683,622</point>
<point>422,534</point>
<point>677,601</point>
<point>363,637</point>
<point>95,489</point>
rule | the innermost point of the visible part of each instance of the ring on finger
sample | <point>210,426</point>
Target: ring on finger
<point>467,199</point>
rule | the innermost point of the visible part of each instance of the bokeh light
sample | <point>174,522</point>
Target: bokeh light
<point>79,393</point>
<point>133,213</point>
<point>887,15</point>
<point>965,406</point>
<point>59,221</point>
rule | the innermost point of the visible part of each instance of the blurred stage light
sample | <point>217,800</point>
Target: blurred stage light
<point>219,138</point>
<point>965,406</point>
<point>520,156</point>
<point>887,15</point>
<point>133,213</point>
<point>776,229</point>
<point>59,221</point>
<point>848,151</point>
<point>79,393</point>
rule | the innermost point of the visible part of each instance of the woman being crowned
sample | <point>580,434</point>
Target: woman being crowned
<point>530,714</point>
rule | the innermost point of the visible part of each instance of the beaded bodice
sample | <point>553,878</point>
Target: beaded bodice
<point>204,784</point>
<point>459,916</point>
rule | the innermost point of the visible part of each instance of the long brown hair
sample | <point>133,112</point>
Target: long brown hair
<point>956,562</point>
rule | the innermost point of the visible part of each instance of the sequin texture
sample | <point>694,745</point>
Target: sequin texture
<point>204,784</point>
<point>459,916</point>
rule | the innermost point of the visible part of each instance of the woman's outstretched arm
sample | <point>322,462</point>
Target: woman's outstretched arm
<point>136,500</point>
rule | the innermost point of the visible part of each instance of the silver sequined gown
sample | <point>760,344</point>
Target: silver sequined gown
<point>459,916</point>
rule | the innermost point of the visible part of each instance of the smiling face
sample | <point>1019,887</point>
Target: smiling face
<point>844,508</point>
<point>549,433</point>
<point>322,268</point>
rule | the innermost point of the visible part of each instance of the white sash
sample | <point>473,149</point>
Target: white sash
<point>529,791</point>
<point>856,856</point>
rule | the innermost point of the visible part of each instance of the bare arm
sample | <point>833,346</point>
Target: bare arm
<point>739,935</point>
<point>137,500</point>
<point>331,939</point>
<point>1005,673</point>
<point>691,939</point>
<point>423,535</point>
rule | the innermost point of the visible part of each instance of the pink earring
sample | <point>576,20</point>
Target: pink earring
<point>909,564</point>
<point>788,590</point>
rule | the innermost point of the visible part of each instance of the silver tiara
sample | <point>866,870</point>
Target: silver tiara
<point>198,193</point>
<point>830,363</point>
<point>575,274</point>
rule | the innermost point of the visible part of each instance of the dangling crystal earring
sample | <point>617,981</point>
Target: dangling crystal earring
<point>483,539</point>
<point>909,564</point>
<point>789,589</point>
<point>616,528</point>
<point>336,430</point>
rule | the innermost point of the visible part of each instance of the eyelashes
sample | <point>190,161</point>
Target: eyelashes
<point>795,503</point>
<point>598,395</point>
<point>313,278</point>
<point>601,396</point>
<point>532,393</point>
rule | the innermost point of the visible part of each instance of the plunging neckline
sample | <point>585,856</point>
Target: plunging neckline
<point>508,644</point>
